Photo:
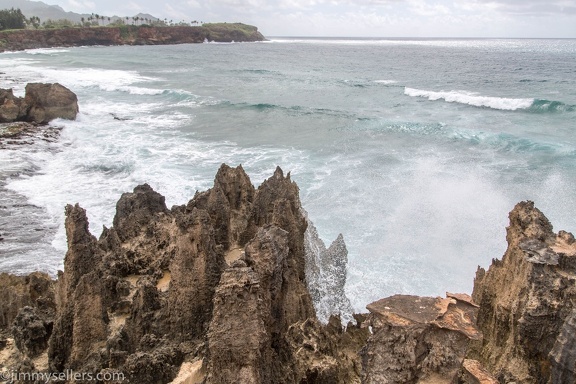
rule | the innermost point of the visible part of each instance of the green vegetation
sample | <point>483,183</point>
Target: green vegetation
<point>248,29</point>
<point>12,19</point>
<point>58,24</point>
<point>127,31</point>
<point>223,31</point>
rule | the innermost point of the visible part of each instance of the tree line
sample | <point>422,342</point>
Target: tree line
<point>15,19</point>
<point>12,19</point>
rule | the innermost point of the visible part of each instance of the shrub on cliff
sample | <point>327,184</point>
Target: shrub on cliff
<point>12,19</point>
<point>58,24</point>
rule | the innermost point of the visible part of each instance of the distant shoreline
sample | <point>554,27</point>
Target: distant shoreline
<point>17,40</point>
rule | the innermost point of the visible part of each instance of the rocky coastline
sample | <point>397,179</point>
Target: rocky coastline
<point>229,288</point>
<point>16,40</point>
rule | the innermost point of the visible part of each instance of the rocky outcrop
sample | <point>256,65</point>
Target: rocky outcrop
<point>41,104</point>
<point>217,291</point>
<point>35,290</point>
<point>11,107</point>
<point>418,339</point>
<point>528,304</point>
<point>27,312</point>
<point>47,102</point>
<point>127,35</point>
<point>31,331</point>
<point>218,283</point>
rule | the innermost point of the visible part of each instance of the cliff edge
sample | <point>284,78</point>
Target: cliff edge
<point>219,291</point>
<point>15,40</point>
<point>528,303</point>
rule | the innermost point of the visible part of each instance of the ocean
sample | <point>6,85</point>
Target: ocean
<point>414,149</point>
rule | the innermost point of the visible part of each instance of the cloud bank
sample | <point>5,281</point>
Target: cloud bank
<point>381,18</point>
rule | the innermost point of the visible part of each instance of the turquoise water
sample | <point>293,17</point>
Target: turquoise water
<point>414,150</point>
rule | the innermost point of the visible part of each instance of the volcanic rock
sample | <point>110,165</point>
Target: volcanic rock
<point>35,290</point>
<point>46,102</point>
<point>41,104</point>
<point>217,291</point>
<point>31,332</point>
<point>418,339</point>
<point>528,304</point>
<point>220,280</point>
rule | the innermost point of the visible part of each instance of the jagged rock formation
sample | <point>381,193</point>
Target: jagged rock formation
<point>41,104</point>
<point>528,304</point>
<point>215,291</point>
<point>418,339</point>
<point>35,290</point>
<point>217,284</point>
<point>27,311</point>
<point>16,40</point>
<point>326,275</point>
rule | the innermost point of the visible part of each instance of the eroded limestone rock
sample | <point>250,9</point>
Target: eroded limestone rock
<point>418,339</point>
<point>527,303</point>
<point>160,289</point>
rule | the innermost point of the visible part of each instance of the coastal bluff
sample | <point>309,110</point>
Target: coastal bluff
<point>224,289</point>
<point>15,40</point>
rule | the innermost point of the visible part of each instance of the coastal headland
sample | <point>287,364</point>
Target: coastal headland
<point>20,39</point>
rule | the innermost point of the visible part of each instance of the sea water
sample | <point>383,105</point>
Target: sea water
<point>414,150</point>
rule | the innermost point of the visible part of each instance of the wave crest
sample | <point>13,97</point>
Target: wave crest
<point>472,98</point>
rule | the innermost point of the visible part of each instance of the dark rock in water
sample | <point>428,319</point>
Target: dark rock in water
<point>41,104</point>
<point>10,107</point>
<point>46,102</point>
<point>528,304</point>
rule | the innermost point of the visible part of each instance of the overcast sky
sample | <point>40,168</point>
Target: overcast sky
<point>379,18</point>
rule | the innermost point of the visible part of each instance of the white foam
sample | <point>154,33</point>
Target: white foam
<point>101,157</point>
<point>386,82</point>
<point>46,51</point>
<point>471,98</point>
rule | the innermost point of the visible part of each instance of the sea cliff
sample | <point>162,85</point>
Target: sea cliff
<point>219,291</point>
<point>15,40</point>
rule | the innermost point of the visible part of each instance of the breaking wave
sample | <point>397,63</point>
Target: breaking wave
<point>472,98</point>
<point>501,103</point>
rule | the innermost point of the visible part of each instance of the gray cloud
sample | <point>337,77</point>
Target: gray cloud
<point>533,7</point>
